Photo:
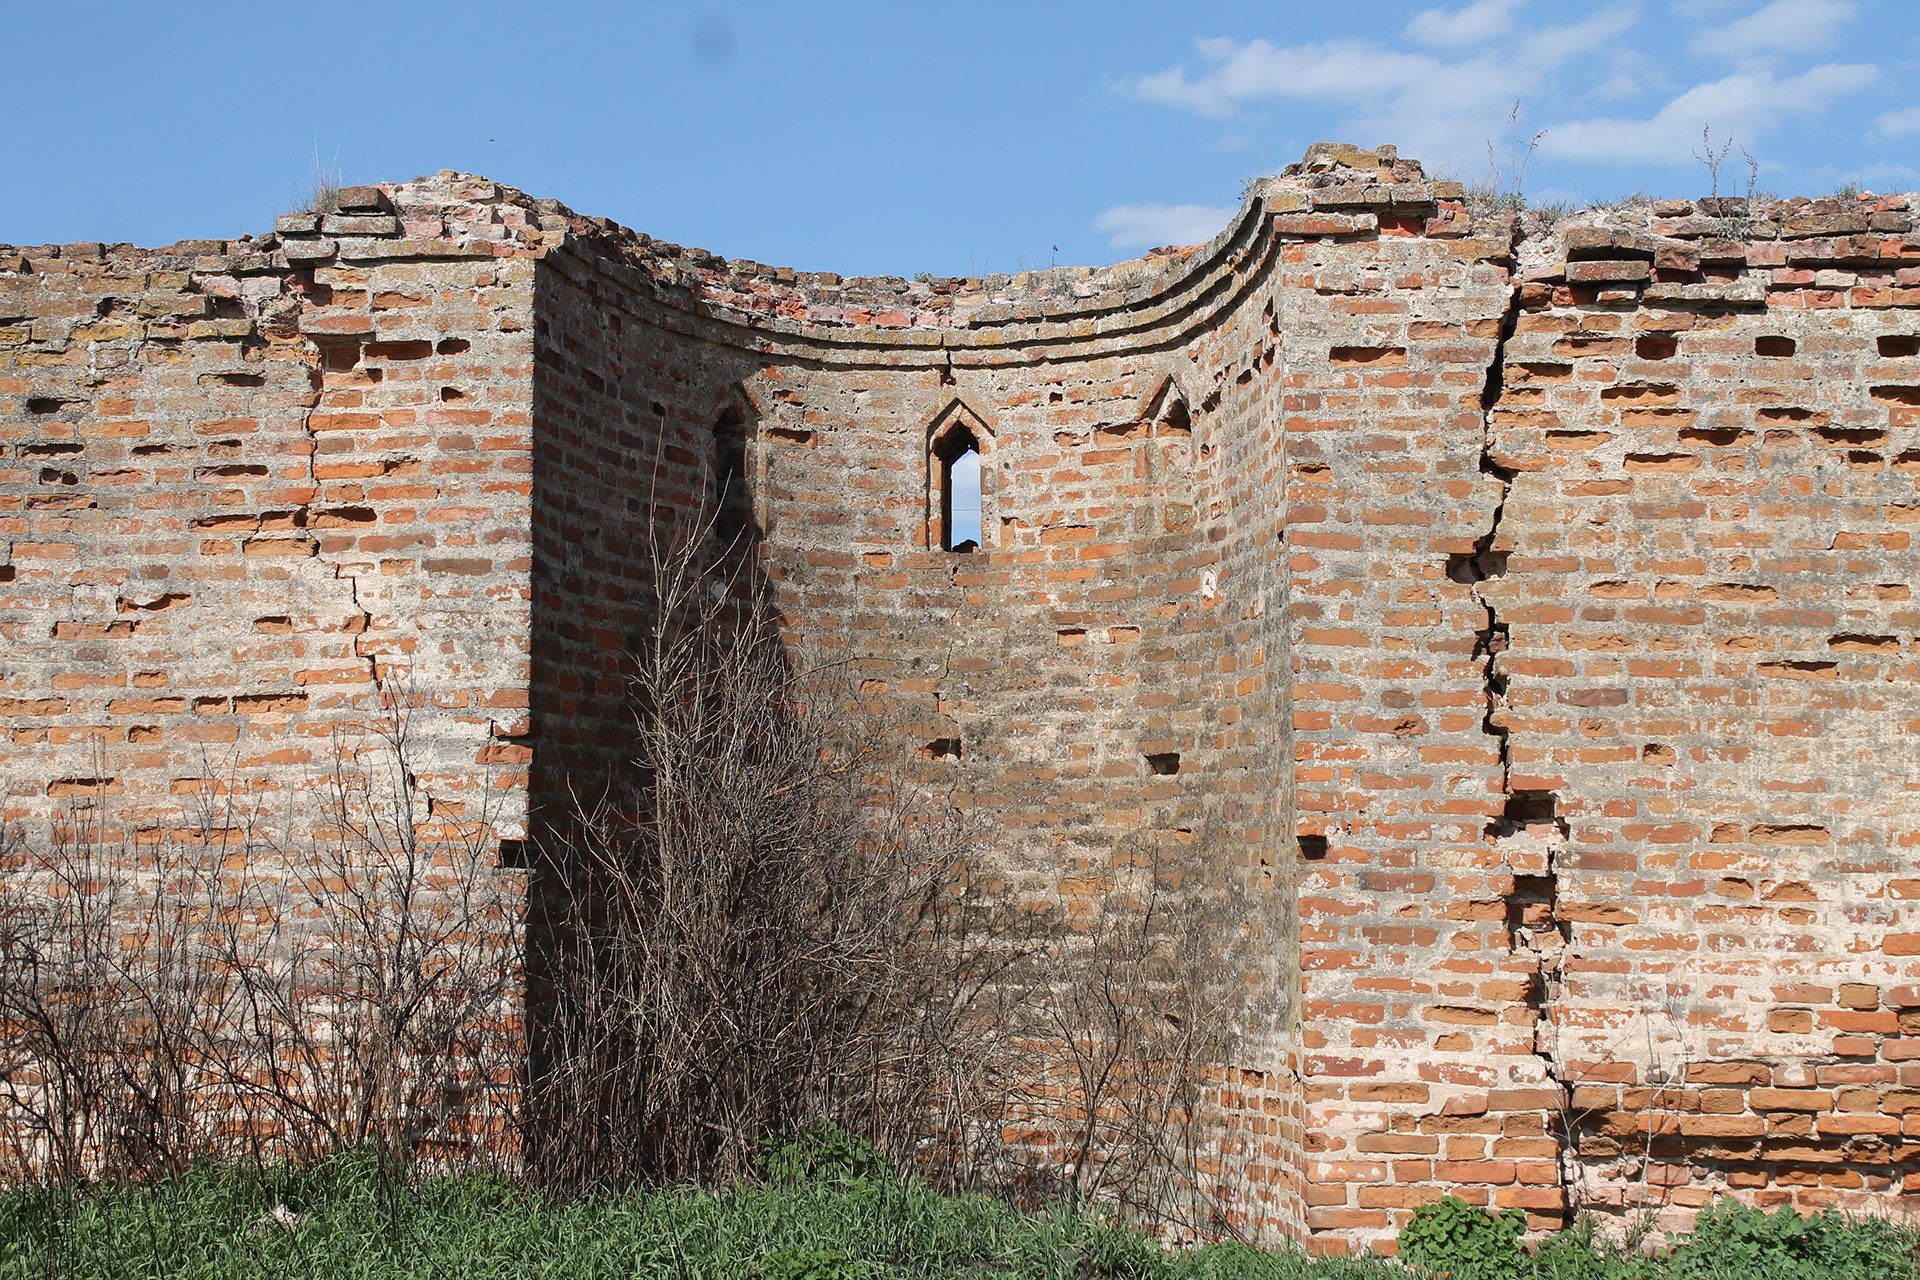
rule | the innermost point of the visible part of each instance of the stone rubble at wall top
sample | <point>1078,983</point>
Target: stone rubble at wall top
<point>1680,249</point>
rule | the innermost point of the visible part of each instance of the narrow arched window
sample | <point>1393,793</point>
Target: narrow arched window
<point>731,502</point>
<point>957,458</point>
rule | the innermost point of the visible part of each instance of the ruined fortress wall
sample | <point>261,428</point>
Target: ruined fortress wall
<point>1710,668</point>
<point>242,490</point>
<point>1516,629</point>
<point>1615,909</point>
<point>1093,686</point>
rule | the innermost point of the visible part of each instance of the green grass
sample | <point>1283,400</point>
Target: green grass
<point>341,1221</point>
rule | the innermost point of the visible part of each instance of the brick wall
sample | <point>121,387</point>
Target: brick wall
<point>1513,622</point>
<point>244,487</point>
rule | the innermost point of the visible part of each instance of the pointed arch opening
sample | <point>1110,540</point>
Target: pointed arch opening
<point>956,455</point>
<point>959,480</point>
<point>732,501</point>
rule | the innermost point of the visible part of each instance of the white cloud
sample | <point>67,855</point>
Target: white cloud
<point>1129,226</point>
<point>1479,23</point>
<point>1898,124</point>
<point>1743,107</point>
<point>1592,38</point>
<point>1884,177</point>
<point>1333,70</point>
<point>1444,109</point>
<point>1784,26</point>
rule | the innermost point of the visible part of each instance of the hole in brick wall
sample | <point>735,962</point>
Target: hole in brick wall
<point>1525,809</point>
<point>1532,806</point>
<point>238,379</point>
<point>1897,395</point>
<point>1656,346</point>
<point>1312,847</point>
<point>82,786</point>
<point>1851,435</point>
<point>1164,763</point>
<point>399,350</point>
<point>657,409</point>
<point>1898,345</point>
<point>1476,566</point>
<point>516,855</point>
<point>1368,355</point>
<point>54,475</point>
<point>47,404</point>
<point>1774,346</point>
<point>942,749</point>
<point>1642,393</point>
<point>339,357</point>
<point>1176,421</point>
<point>452,393</point>
<point>453,346</point>
<point>1719,437</point>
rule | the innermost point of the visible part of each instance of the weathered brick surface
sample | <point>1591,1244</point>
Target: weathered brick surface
<point>1521,625</point>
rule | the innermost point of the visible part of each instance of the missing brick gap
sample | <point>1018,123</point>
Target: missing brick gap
<point>1530,834</point>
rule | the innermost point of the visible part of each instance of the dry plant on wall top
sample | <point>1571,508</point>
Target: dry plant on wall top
<point>1503,189</point>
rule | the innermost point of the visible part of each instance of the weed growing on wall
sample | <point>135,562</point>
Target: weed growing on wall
<point>1503,188</point>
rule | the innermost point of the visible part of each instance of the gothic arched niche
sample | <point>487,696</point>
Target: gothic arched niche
<point>732,481</point>
<point>958,480</point>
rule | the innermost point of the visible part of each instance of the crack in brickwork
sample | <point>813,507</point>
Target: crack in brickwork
<point>1529,831</point>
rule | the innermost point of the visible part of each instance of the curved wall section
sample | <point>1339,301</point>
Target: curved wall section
<point>1506,636</point>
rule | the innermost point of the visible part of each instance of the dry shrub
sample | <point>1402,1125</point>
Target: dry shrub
<point>754,928</point>
<point>1142,1016</point>
<point>223,991</point>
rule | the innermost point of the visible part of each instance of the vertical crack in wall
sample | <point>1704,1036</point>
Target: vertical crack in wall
<point>1528,832</point>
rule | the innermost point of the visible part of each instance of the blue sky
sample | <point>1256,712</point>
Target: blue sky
<point>959,138</point>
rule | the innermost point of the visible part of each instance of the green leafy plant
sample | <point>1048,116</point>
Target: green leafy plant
<point>1462,1241</point>
<point>813,1264</point>
<point>1730,1239</point>
<point>824,1152</point>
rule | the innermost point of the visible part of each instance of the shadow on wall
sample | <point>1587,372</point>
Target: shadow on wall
<point>639,513</point>
<point>732,929</point>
